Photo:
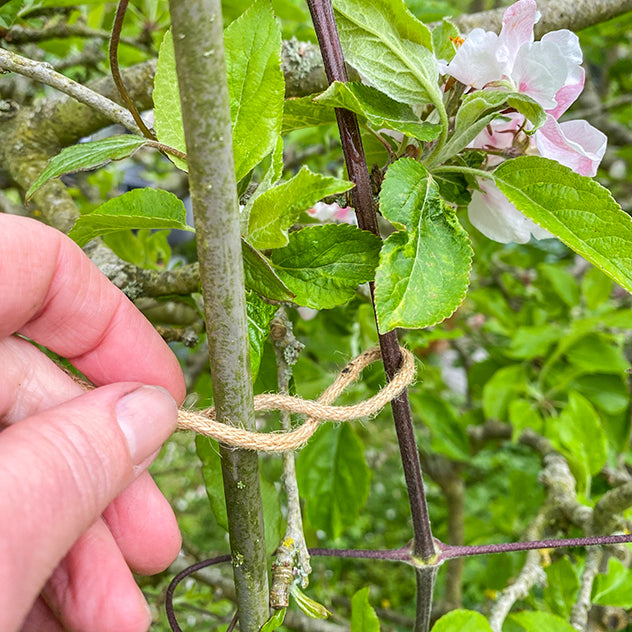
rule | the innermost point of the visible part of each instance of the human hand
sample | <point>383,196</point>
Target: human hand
<point>77,508</point>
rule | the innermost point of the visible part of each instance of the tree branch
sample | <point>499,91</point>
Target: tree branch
<point>18,34</point>
<point>556,14</point>
<point>530,575</point>
<point>197,29</point>
<point>581,607</point>
<point>35,134</point>
<point>44,73</point>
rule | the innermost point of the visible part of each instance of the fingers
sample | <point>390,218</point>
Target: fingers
<point>93,590</point>
<point>149,539</point>
<point>52,293</point>
<point>59,469</point>
<point>41,619</point>
<point>31,381</point>
<point>140,519</point>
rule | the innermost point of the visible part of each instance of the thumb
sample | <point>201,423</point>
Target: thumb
<point>59,469</point>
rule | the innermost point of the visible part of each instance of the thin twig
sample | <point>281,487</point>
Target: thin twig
<point>18,34</point>
<point>530,575</point>
<point>116,74</point>
<point>292,559</point>
<point>44,73</point>
<point>581,607</point>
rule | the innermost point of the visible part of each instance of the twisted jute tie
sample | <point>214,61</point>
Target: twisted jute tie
<point>204,422</point>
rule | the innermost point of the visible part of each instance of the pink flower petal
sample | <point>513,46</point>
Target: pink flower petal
<point>540,72</point>
<point>332,213</point>
<point>497,218</point>
<point>574,144</point>
<point>568,93</point>
<point>567,42</point>
<point>499,134</point>
<point>475,63</point>
<point>517,29</point>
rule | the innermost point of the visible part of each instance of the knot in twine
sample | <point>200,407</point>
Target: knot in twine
<point>204,422</point>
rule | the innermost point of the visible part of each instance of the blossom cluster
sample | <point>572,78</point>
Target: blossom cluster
<point>549,71</point>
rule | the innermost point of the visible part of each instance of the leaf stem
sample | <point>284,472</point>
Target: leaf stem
<point>443,117</point>
<point>198,27</point>
<point>479,173</point>
<point>167,149</point>
<point>116,73</point>
<point>329,41</point>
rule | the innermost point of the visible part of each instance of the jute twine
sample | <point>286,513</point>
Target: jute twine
<point>204,422</point>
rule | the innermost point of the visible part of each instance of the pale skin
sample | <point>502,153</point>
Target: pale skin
<point>78,509</point>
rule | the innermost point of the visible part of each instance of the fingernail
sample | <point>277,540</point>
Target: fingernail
<point>147,416</point>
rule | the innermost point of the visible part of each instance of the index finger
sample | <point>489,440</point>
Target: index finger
<point>52,293</point>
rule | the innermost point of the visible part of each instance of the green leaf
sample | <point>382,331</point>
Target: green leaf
<point>275,621</point>
<point>259,314</point>
<point>462,621</point>
<point>504,386</point>
<point>323,265</point>
<point>272,167</point>
<point>85,156</point>
<point>363,617</point>
<point>532,342</point>
<point>523,414</point>
<point>561,588</point>
<point>166,96</point>
<point>37,4</point>
<point>608,393</point>
<point>255,84</point>
<point>333,478</point>
<point>575,208</point>
<point>309,607</point>
<point>260,277</point>
<point>615,587</point>
<point>453,188</point>
<point>301,112</point>
<point>541,622</point>
<point>444,37</point>
<point>274,211</point>
<point>145,249</point>
<point>597,353</point>
<point>477,111</point>
<point>208,452</point>
<point>9,13</point>
<point>272,516</point>
<point>448,437</point>
<point>562,282</point>
<point>596,288</point>
<point>578,434</point>
<point>424,270</point>
<point>379,109</point>
<point>390,47</point>
<point>140,208</point>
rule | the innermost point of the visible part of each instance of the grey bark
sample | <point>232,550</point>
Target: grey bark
<point>200,63</point>
<point>556,14</point>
